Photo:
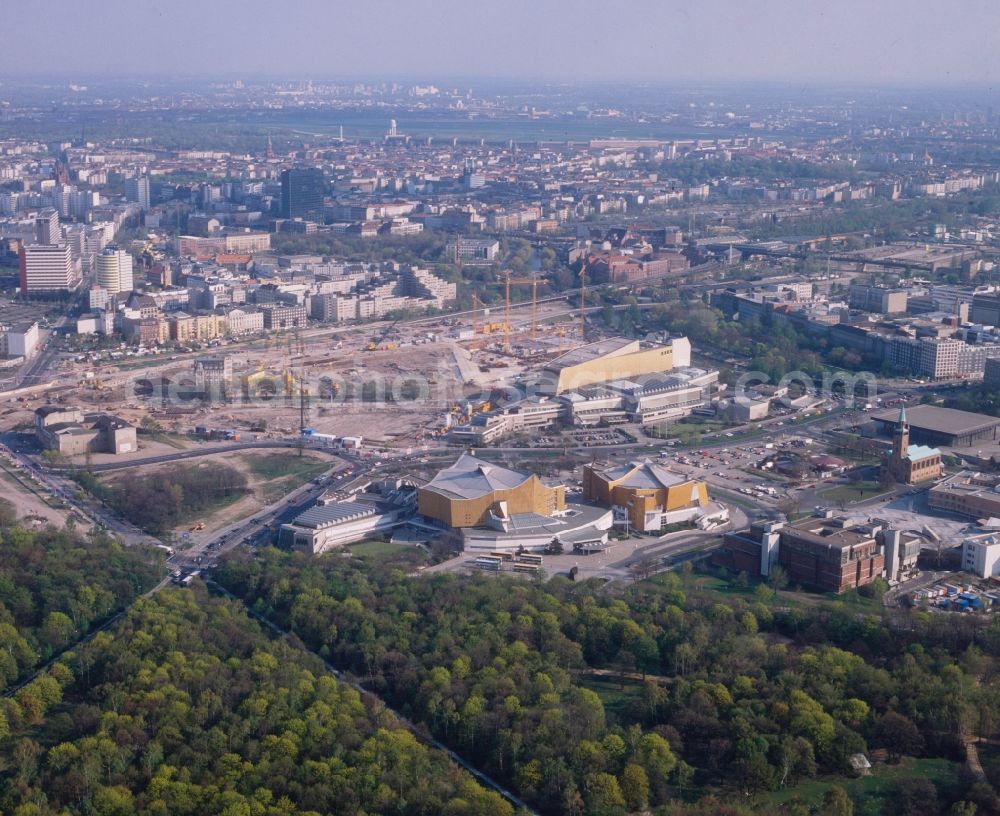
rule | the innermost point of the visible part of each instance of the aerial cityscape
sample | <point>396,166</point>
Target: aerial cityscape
<point>407,412</point>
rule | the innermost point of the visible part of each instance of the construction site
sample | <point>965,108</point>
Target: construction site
<point>394,384</point>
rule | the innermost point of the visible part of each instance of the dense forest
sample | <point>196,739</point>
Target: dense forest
<point>186,708</point>
<point>56,585</point>
<point>741,698</point>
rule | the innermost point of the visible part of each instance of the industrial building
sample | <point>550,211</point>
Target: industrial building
<point>933,425</point>
<point>645,496</point>
<point>70,432</point>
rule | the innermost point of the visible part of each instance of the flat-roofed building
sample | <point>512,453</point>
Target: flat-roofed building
<point>48,268</point>
<point>878,299</point>
<point>933,425</point>
<point>981,555</point>
<point>967,493</point>
<point>71,432</point>
<point>820,552</point>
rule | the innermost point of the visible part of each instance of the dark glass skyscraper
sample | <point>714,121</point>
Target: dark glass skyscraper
<point>302,194</point>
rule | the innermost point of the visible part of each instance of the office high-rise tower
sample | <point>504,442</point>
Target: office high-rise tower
<point>47,226</point>
<point>113,269</point>
<point>302,194</point>
<point>137,189</point>
<point>48,268</point>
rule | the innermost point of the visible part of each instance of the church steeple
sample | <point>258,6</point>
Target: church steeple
<point>901,435</point>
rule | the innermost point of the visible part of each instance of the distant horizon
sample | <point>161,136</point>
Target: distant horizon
<point>446,83</point>
<point>893,43</point>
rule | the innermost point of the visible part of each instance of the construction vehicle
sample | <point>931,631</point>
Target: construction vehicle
<point>198,527</point>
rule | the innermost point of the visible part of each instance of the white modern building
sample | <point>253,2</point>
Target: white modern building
<point>981,555</point>
<point>113,268</point>
<point>48,268</point>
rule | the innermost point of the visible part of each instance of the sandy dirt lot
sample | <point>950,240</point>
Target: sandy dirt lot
<point>27,503</point>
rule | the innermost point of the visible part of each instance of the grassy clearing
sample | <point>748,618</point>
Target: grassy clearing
<point>854,493</point>
<point>618,698</point>
<point>172,440</point>
<point>752,590</point>
<point>280,473</point>
<point>869,793</point>
<point>378,549</point>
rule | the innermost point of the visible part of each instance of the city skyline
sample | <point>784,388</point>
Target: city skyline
<point>846,42</point>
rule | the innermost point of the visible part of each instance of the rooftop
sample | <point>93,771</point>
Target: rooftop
<point>591,351</point>
<point>326,514</point>
<point>940,420</point>
<point>642,476</point>
<point>836,533</point>
<point>470,478</point>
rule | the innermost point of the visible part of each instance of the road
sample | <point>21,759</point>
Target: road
<point>196,452</point>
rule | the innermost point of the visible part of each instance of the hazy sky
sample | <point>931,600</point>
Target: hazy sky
<point>870,41</point>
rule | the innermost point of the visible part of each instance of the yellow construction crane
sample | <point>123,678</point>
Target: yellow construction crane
<point>533,282</point>
<point>477,304</point>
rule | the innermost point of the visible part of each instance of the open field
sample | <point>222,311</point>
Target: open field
<point>280,472</point>
<point>27,500</point>
<point>869,793</point>
<point>854,492</point>
<point>755,591</point>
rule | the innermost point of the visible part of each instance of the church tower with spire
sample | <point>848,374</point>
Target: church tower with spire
<point>901,436</point>
<point>906,463</point>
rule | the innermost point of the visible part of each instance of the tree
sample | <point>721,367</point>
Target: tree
<point>913,797</point>
<point>635,787</point>
<point>898,735</point>
<point>836,802</point>
<point>603,795</point>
